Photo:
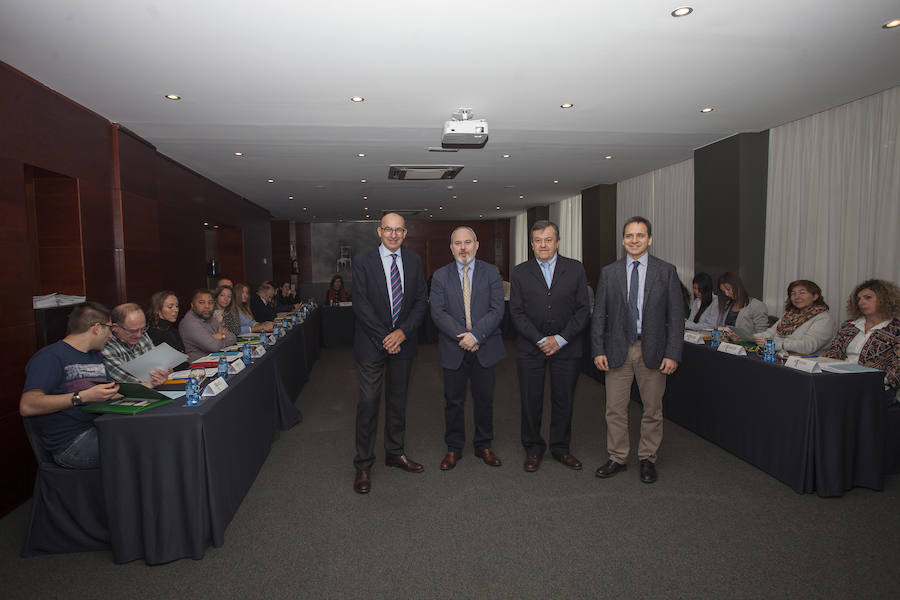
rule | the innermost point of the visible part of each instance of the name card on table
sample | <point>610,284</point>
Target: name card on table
<point>693,337</point>
<point>730,348</point>
<point>258,351</point>
<point>235,366</point>
<point>271,339</point>
<point>214,387</point>
<point>803,364</point>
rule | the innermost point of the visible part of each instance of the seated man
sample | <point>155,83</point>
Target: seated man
<point>61,377</point>
<point>128,341</point>
<point>261,304</point>
<point>200,332</point>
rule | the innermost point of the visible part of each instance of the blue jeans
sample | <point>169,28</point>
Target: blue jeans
<point>82,453</point>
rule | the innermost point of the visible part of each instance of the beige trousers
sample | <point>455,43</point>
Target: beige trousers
<point>652,385</point>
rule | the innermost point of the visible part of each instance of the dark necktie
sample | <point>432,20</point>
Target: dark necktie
<point>396,291</point>
<point>633,304</point>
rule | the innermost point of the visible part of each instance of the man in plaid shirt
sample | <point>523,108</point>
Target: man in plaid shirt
<point>128,341</point>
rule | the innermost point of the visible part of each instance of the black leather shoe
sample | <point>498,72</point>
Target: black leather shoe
<point>404,463</point>
<point>569,461</point>
<point>362,483</point>
<point>610,468</point>
<point>532,463</point>
<point>648,471</point>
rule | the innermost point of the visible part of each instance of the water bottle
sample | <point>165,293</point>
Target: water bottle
<point>190,391</point>
<point>293,319</point>
<point>716,338</point>
<point>223,367</point>
<point>769,351</point>
<point>276,331</point>
<point>263,338</point>
<point>245,354</point>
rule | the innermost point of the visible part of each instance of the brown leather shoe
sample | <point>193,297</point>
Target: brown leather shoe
<point>569,461</point>
<point>450,460</point>
<point>404,463</point>
<point>532,463</point>
<point>488,457</point>
<point>362,483</point>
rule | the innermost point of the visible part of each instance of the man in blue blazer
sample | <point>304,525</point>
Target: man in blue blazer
<point>548,303</point>
<point>467,307</point>
<point>637,333</point>
<point>389,305</point>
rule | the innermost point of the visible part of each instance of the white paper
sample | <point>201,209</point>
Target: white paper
<point>172,395</point>
<point>162,357</point>
<point>345,304</point>
<point>803,364</point>
<point>693,337</point>
<point>847,367</point>
<point>215,386</point>
<point>735,349</point>
<point>258,351</point>
<point>235,366</point>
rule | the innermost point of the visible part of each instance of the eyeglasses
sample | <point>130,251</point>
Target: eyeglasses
<point>390,230</point>
<point>140,331</point>
<point>104,324</point>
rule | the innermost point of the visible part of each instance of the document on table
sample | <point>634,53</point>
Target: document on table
<point>833,365</point>
<point>162,357</point>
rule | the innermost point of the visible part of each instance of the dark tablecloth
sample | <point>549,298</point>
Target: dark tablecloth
<point>821,433</point>
<point>337,326</point>
<point>174,476</point>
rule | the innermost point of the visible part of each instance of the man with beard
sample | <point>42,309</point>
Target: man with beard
<point>200,332</point>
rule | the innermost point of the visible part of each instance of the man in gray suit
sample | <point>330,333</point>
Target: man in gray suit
<point>467,307</point>
<point>637,331</point>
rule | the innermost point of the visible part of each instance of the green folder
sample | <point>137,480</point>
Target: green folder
<point>136,398</point>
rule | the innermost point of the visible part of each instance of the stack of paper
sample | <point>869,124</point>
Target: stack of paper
<point>53,300</point>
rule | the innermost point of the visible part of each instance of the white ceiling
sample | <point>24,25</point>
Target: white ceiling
<point>273,80</point>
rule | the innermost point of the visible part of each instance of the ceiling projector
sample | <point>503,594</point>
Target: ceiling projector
<point>463,130</point>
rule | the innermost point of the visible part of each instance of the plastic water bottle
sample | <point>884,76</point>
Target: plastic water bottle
<point>716,338</point>
<point>769,351</point>
<point>190,391</point>
<point>223,367</point>
<point>245,354</point>
<point>293,319</point>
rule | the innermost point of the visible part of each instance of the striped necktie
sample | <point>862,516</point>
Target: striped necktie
<point>467,297</point>
<point>396,291</point>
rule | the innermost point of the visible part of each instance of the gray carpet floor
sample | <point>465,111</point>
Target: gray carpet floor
<point>713,526</point>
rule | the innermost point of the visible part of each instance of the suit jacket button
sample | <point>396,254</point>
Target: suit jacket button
<point>549,307</point>
<point>548,293</point>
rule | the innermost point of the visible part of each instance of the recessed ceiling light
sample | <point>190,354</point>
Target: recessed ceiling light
<point>708,109</point>
<point>361,155</point>
<point>215,226</point>
<point>498,208</point>
<point>474,181</point>
<point>430,216</point>
<point>365,197</point>
<point>608,157</point>
<point>480,216</point>
<point>567,105</point>
<point>362,180</point>
<point>367,216</point>
<point>521,197</point>
<point>556,181</point>
<point>682,11</point>
<point>449,187</point>
<point>440,208</point>
<point>891,24</point>
<point>238,153</point>
<point>173,97</point>
<point>505,155</point>
<point>304,208</point>
<point>357,99</point>
<point>270,181</point>
<point>290,197</point>
<point>206,223</point>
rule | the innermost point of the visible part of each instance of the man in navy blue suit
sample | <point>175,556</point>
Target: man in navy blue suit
<point>467,307</point>
<point>389,305</point>
<point>548,303</point>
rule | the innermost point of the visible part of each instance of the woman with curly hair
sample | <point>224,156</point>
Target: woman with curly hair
<point>871,337</point>
<point>807,325</point>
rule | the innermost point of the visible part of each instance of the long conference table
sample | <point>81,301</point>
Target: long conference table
<point>820,433</point>
<point>173,477</point>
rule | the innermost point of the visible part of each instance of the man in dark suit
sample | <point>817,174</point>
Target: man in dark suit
<point>549,307</point>
<point>389,304</point>
<point>637,332</point>
<point>467,307</point>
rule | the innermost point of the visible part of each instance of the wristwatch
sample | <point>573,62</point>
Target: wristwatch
<point>76,400</point>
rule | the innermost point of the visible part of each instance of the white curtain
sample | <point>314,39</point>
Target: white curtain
<point>567,216</point>
<point>665,197</point>
<point>518,241</point>
<point>833,212</point>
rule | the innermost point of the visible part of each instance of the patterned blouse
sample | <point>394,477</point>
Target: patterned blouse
<point>882,351</point>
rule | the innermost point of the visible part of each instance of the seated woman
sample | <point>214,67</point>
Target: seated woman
<point>161,322</point>
<point>871,337</point>
<point>225,311</point>
<point>336,292</point>
<point>737,309</point>
<point>245,315</point>
<point>285,299</point>
<point>704,312</point>
<point>807,325</point>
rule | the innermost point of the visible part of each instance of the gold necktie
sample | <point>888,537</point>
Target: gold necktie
<point>467,297</point>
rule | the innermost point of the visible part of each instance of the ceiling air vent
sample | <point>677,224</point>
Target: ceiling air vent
<point>424,172</point>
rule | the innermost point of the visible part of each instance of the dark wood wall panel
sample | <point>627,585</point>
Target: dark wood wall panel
<point>600,239</point>
<point>281,251</point>
<point>230,251</point>
<point>431,241</point>
<point>143,271</point>
<point>303,236</point>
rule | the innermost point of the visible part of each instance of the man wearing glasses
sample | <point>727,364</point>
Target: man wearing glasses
<point>61,377</point>
<point>128,341</point>
<point>389,305</point>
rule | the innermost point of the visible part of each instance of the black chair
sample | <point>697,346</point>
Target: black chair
<point>68,512</point>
